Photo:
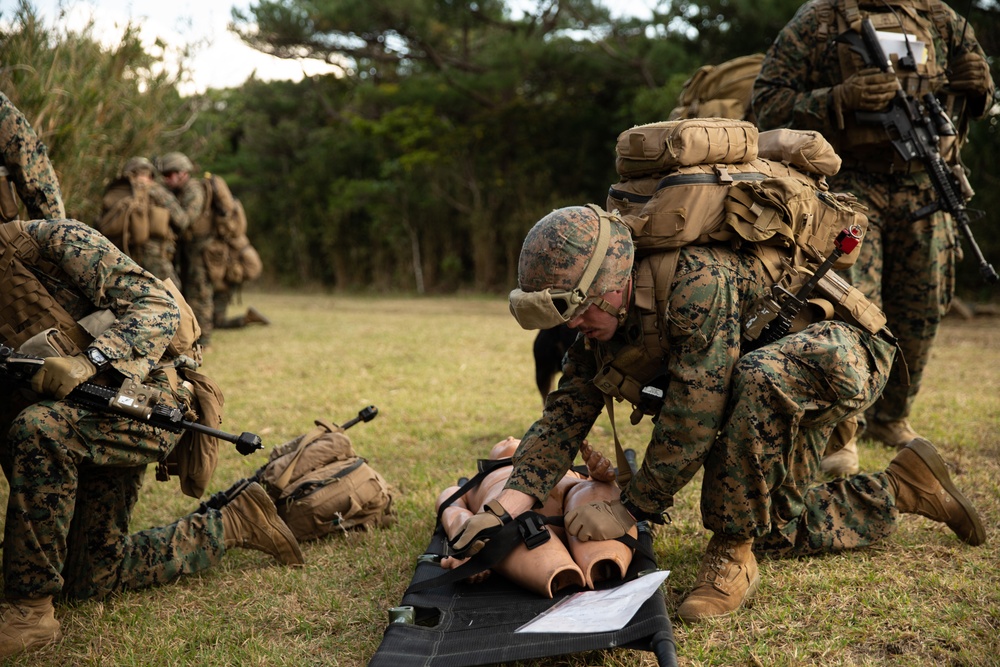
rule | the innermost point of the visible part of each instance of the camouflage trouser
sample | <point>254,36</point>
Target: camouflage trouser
<point>908,268</point>
<point>74,479</point>
<point>221,300</point>
<point>786,400</point>
<point>197,288</point>
<point>157,257</point>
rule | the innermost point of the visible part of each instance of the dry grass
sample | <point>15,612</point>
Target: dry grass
<point>452,376</point>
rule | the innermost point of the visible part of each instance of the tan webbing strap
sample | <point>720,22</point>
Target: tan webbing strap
<point>322,427</point>
<point>624,473</point>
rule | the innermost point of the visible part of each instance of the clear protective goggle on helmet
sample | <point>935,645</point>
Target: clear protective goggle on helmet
<point>549,308</point>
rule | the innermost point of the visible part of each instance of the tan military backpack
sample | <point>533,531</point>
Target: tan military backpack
<point>719,91</point>
<point>320,485</point>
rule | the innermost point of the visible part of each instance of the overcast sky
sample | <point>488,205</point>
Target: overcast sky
<point>221,60</point>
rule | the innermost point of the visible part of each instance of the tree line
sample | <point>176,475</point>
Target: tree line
<point>450,128</point>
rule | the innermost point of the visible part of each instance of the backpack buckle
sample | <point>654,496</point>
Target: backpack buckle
<point>533,531</point>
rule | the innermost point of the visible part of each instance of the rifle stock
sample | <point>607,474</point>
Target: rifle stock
<point>914,128</point>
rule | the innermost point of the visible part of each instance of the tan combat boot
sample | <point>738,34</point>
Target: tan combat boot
<point>843,462</point>
<point>728,577</point>
<point>27,624</point>
<point>894,433</point>
<point>254,316</point>
<point>921,484</point>
<point>250,520</point>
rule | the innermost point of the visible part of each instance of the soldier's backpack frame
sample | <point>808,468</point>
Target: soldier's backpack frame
<point>461,624</point>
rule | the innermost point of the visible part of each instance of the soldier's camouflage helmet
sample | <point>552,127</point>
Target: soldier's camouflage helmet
<point>175,162</point>
<point>557,249</point>
<point>137,165</point>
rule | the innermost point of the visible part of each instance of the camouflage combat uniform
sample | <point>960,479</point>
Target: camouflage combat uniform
<point>156,254</point>
<point>196,285</point>
<point>906,266</point>
<point>75,474</point>
<point>758,424</point>
<point>26,159</point>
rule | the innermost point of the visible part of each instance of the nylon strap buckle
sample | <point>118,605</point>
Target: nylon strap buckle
<point>533,531</point>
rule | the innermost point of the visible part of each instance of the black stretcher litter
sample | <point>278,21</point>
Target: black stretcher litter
<point>460,624</point>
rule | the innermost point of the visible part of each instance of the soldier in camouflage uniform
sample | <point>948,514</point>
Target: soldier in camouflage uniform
<point>156,254</point>
<point>74,473</point>
<point>810,82</point>
<point>758,423</point>
<point>23,156</point>
<point>176,169</point>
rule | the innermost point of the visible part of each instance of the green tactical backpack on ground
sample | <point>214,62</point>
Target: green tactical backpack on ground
<point>719,91</point>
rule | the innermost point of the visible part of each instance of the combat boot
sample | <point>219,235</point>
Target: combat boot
<point>843,462</point>
<point>921,485</point>
<point>251,520</point>
<point>894,433</point>
<point>728,577</point>
<point>254,316</point>
<point>27,624</point>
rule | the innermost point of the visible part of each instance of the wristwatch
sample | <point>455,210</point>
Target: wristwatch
<point>97,358</point>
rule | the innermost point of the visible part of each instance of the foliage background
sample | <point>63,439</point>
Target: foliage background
<point>452,126</point>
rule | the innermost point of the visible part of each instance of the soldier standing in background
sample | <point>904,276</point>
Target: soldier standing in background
<point>810,81</point>
<point>192,217</point>
<point>25,162</point>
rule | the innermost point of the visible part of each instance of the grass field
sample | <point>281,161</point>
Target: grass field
<point>451,376</point>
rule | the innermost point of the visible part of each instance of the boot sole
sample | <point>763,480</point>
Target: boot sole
<point>928,453</point>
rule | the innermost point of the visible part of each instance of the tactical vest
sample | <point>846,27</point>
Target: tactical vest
<point>130,219</point>
<point>925,21</point>
<point>636,372</point>
<point>26,306</point>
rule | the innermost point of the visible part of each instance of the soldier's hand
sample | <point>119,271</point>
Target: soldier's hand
<point>58,376</point>
<point>602,520</point>
<point>867,90</point>
<point>478,530</point>
<point>970,74</point>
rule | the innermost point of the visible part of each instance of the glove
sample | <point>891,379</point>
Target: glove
<point>60,375</point>
<point>479,529</point>
<point>868,90</point>
<point>601,520</point>
<point>970,74</point>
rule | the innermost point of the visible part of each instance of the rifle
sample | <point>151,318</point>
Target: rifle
<point>223,498</point>
<point>132,400</point>
<point>914,127</point>
<point>773,319</point>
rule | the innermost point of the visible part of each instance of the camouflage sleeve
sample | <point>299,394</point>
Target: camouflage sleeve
<point>163,197</point>
<point>977,106</point>
<point>192,200</point>
<point>147,316</point>
<point>798,72</point>
<point>549,447</point>
<point>27,160</point>
<point>703,327</point>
